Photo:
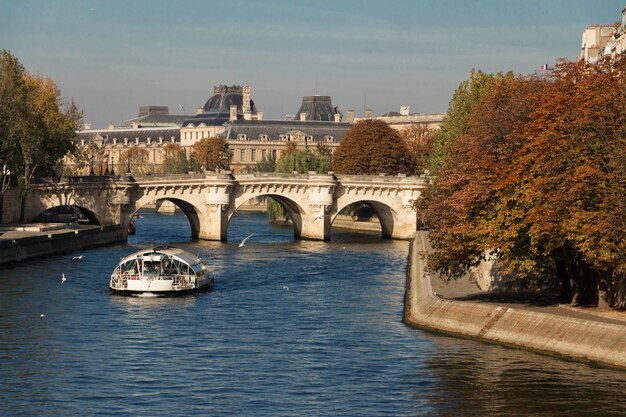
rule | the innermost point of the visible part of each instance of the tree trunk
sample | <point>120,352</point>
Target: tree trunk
<point>23,210</point>
<point>1,208</point>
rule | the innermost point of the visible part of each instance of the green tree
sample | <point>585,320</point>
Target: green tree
<point>13,119</point>
<point>460,109</point>
<point>266,165</point>
<point>212,153</point>
<point>371,147</point>
<point>303,161</point>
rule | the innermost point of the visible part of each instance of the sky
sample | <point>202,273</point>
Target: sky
<point>114,56</point>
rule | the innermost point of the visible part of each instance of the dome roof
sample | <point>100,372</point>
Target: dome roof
<point>225,96</point>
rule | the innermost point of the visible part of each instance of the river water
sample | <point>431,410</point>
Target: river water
<point>333,344</point>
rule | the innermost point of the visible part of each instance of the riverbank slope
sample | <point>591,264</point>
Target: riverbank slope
<point>558,331</point>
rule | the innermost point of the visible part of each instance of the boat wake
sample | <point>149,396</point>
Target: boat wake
<point>147,295</point>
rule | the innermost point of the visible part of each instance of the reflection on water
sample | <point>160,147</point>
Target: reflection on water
<point>334,344</point>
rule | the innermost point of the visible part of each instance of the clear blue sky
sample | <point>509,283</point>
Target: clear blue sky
<point>113,56</point>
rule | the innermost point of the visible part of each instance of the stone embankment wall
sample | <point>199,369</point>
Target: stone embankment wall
<point>58,242</point>
<point>594,341</point>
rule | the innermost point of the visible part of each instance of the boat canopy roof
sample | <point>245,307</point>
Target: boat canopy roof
<point>156,254</point>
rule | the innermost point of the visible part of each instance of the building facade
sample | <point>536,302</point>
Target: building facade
<point>139,144</point>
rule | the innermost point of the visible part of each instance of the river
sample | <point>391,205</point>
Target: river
<point>290,328</point>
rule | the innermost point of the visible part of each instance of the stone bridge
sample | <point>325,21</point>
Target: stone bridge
<point>210,200</point>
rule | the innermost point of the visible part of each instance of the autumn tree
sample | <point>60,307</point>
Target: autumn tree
<point>174,159</point>
<point>419,140</point>
<point>212,153</point>
<point>570,178</point>
<point>37,127</point>
<point>135,160</point>
<point>371,147</point>
<point>459,205</point>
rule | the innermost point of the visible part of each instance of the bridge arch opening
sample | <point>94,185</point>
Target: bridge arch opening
<point>69,214</point>
<point>153,208</point>
<point>291,215</point>
<point>364,217</point>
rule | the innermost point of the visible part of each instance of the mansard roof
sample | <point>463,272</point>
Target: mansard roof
<point>107,135</point>
<point>318,108</point>
<point>275,128</point>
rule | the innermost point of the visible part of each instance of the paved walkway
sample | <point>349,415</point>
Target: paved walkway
<point>465,290</point>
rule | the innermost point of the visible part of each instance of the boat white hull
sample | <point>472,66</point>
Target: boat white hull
<point>161,287</point>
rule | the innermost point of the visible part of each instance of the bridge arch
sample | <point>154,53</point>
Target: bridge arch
<point>188,208</point>
<point>386,214</point>
<point>293,208</point>
<point>66,213</point>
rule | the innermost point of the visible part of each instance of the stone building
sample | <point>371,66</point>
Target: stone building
<point>231,113</point>
<point>227,103</point>
<point>142,137</point>
<point>603,40</point>
<point>317,122</point>
<point>404,118</point>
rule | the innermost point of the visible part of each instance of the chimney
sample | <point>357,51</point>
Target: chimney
<point>350,116</point>
<point>233,112</point>
<point>368,113</point>
<point>87,126</point>
<point>247,115</point>
<point>303,116</point>
<point>111,126</point>
<point>199,110</point>
<point>405,110</point>
<point>259,115</point>
<point>337,117</point>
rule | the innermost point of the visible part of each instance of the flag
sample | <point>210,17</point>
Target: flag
<point>545,67</point>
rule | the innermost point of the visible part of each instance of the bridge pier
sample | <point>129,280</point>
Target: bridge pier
<point>213,223</point>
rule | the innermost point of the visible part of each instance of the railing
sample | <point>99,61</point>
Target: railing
<point>179,282</point>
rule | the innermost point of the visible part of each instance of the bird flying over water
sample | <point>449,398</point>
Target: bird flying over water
<point>286,288</point>
<point>243,242</point>
<point>63,279</point>
<point>41,316</point>
<point>77,258</point>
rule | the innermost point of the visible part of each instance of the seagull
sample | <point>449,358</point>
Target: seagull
<point>41,316</point>
<point>285,288</point>
<point>63,279</point>
<point>243,242</point>
<point>77,258</point>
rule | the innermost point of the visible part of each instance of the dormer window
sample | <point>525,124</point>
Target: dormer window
<point>263,138</point>
<point>242,136</point>
<point>136,141</point>
<point>329,139</point>
<point>114,141</point>
<point>284,138</point>
<point>161,140</point>
<point>82,142</point>
<point>125,141</point>
<point>149,141</point>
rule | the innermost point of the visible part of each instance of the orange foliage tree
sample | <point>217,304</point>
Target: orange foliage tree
<point>369,148</point>
<point>540,172</point>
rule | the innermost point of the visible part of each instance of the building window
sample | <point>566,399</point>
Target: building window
<point>264,155</point>
<point>253,155</point>
<point>242,155</point>
<point>274,153</point>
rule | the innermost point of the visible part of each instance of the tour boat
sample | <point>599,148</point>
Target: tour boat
<point>161,271</point>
